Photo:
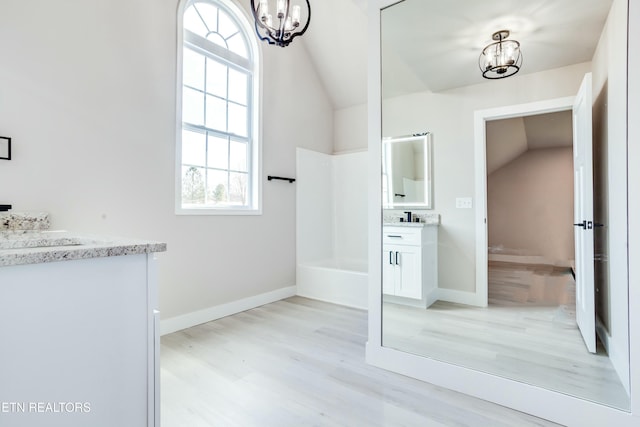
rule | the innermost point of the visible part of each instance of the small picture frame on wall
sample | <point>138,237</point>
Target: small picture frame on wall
<point>5,148</point>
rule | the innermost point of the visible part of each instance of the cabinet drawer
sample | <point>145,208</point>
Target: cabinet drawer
<point>401,236</point>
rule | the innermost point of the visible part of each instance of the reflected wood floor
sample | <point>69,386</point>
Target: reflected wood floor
<point>528,333</point>
<point>300,362</point>
<point>531,285</point>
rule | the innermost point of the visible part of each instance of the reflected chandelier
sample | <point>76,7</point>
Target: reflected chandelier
<point>500,59</point>
<point>283,26</point>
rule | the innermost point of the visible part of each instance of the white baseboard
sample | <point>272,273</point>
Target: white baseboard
<point>618,358</point>
<point>432,297</point>
<point>188,320</point>
<point>460,297</point>
<point>334,301</point>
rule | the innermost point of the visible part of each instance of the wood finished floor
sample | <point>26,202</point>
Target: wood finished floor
<point>528,333</point>
<point>300,362</point>
<point>512,284</point>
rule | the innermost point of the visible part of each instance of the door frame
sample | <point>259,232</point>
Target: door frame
<point>481,117</point>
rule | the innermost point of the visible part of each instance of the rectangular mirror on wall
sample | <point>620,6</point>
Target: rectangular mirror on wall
<point>406,172</point>
<point>510,271</point>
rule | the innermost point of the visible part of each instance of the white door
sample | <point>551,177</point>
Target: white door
<point>583,214</point>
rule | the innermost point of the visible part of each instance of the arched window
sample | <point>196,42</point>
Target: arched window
<point>218,156</point>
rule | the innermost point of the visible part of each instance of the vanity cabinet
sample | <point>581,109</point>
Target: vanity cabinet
<point>402,271</point>
<point>409,259</point>
<point>80,343</point>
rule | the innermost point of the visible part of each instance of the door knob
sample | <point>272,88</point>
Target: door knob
<point>582,224</point>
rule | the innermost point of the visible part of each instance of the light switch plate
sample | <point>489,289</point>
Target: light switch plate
<point>464,203</point>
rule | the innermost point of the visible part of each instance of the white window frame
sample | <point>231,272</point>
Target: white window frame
<point>254,105</point>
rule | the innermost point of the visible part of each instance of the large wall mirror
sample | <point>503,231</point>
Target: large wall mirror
<point>504,175</point>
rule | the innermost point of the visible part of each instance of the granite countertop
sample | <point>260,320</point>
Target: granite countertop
<point>19,247</point>
<point>392,218</point>
<point>25,239</point>
<point>24,221</point>
<point>407,224</point>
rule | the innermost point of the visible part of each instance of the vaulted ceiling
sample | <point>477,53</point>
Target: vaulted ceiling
<point>433,45</point>
<point>509,138</point>
<point>337,43</point>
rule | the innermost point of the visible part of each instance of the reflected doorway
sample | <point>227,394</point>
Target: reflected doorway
<point>529,215</point>
<point>534,190</point>
<point>530,152</point>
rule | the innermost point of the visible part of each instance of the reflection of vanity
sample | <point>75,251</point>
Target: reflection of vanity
<point>410,263</point>
<point>410,250</point>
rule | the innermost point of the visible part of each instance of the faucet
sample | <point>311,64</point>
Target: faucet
<point>5,208</point>
<point>408,216</point>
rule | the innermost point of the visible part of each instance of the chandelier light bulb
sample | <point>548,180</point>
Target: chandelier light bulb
<point>282,8</point>
<point>489,60</point>
<point>295,16</point>
<point>264,10</point>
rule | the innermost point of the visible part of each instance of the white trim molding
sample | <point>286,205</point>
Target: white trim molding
<point>633,197</point>
<point>481,117</point>
<point>255,124</point>
<point>199,317</point>
<point>459,297</point>
<point>558,407</point>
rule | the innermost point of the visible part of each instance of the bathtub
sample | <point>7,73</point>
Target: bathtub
<point>343,282</point>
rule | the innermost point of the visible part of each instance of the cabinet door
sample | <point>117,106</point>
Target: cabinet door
<point>409,284</point>
<point>388,271</point>
<point>75,331</point>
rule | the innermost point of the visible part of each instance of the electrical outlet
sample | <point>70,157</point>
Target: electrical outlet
<point>464,203</point>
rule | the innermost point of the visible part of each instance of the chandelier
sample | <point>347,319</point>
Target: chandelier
<point>281,27</point>
<point>500,59</point>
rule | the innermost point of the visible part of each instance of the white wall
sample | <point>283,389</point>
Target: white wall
<point>314,206</point>
<point>449,115</point>
<point>331,206</point>
<point>610,124</point>
<point>633,175</point>
<point>506,140</point>
<point>87,91</point>
<point>530,205</point>
<point>350,128</point>
<point>350,206</point>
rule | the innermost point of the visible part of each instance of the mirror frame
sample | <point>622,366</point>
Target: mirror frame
<point>551,405</point>
<point>425,139</point>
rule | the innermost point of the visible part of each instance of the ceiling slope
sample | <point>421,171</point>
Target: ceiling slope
<point>337,44</point>
<point>434,45</point>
